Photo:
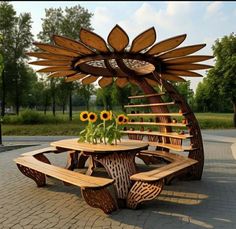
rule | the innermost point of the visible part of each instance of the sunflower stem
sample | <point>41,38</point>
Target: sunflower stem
<point>104,129</point>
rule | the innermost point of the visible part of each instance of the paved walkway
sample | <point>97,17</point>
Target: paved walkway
<point>209,203</point>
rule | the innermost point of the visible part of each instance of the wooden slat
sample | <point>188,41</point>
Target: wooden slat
<point>52,62</point>
<point>188,59</point>
<point>150,105</point>
<point>89,80</point>
<point>172,77</point>
<point>56,50</point>
<point>38,151</point>
<point>157,124</point>
<point>145,96</point>
<point>118,39</point>
<point>183,73</point>
<point>188,67</point>
<point>143,70</point>
<point>155,114</point>
<point>55,69</point>
<point>93,40</point>
<point>62,74</point>
<point>166,45</point>
<point>105,81</point>
<point>72,44</point>
<point>156,133</point>
<point>182,51</point>
<point>75,77</point>
<point>121,82</point>
<point>71,177</point>
<point>143,40</point>
<point>49,56</point>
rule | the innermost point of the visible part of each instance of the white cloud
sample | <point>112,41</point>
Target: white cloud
<point>214,7</point>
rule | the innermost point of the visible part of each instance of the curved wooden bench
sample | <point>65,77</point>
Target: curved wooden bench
<point>148,185</point>
<point>93,189</point>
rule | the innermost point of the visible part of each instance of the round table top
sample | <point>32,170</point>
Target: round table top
<point>73,144</point>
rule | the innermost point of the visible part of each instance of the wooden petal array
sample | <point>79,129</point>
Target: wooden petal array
<point>77,76</point>
<point>183,73</point>
<point>105,81</point>
<point>144,69</point>
<point>89,80</point>
<point>55,69</point>
<point>62,74</point>
<point>72,44</point>
<point>166,45</point>
<point>48,56</point>
<point>52,62</point>
<point>172,77</point>
<point>152,82</point>
<point>121,82</point>
<point>187,59</point>
<point>118,39</point>
<point>144,40</point>
<point>93,40</point>
<point>56,50</point>
<point>188,66</point>
<point>181,51</point>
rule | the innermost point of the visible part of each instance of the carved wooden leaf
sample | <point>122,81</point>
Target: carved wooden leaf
<point>52,62</point>
<point>105,81</point>
<point>143,40</point>
<point>172,77</point>
<point>93,40</point>
<point>183,73</point>
<point>72,44</point>
<point>152,82</point>
<point>118,39</point>
<point>121,82</point>
<point>55,69</point>
<point>184,51</point>
<point>77,76</point>
<point>62,74</point>
<point>166,45</point>
<point>188,59</point>
<point>48,56</point>
<point>89,80</point>
<point>188,66</point>
<point>56,50</point>
<point>132,81</point>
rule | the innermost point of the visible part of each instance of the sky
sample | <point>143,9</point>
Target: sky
<point>202,21</point>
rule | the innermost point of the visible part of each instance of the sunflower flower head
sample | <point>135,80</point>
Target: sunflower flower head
<point>92,117</point>
<point>120,119</point>
<point>84,116</point>
<point>105,115</point>
<point>126,119</point>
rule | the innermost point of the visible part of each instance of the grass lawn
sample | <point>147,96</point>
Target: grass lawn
<point>64,127</point>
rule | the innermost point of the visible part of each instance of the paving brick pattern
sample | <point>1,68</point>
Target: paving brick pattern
<point>209,203</point>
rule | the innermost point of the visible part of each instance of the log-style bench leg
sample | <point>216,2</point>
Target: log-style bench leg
<point>143,191</point>
<point>38,177</point>
<point>100,198</point>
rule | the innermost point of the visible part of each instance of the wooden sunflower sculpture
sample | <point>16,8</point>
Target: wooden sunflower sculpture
<point>91,58</point>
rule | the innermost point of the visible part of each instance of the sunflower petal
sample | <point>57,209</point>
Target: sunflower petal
<point>143,40</point>
<point>188,66</point>
<point>56,50</point>
<point>62,74</point>
<point>105,81</point>
<point>52,62</point>
<point>166,45</point>
<point>152,82</point>
<point>188,59</point>
<point>93,40</point>
<point>71,44</point>
<point>184,51</point>
<point>183,73</point>
<point>77,76</point>
<point>118,39</point>
<point>172,77</point>
<point>55,69</point>
<point>121,82</point>
<point>89,80</point>
<point>49,56</point>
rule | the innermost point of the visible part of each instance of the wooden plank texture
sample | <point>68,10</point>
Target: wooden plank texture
<point>145,96</point>
<point>150,105</point>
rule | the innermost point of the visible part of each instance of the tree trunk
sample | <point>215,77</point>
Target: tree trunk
<point>3,94</point>
<point>234,106</point>
<point>70,104</point>
<point>17,100</point>
<point>63,108</point>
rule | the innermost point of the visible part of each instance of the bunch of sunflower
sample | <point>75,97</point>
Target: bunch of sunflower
<point>103,133</point>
